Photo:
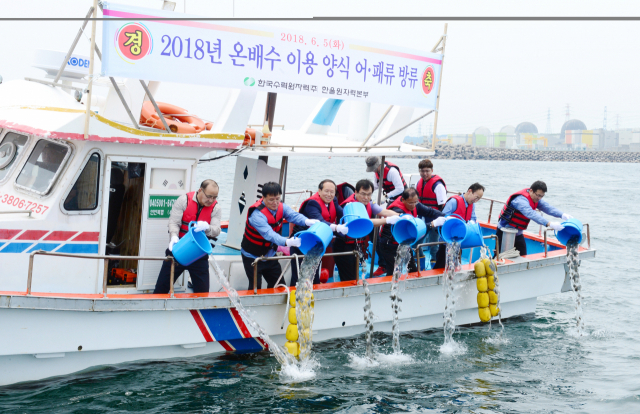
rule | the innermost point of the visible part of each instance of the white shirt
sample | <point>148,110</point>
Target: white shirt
<point>394,176</point>
<point>441,193</point>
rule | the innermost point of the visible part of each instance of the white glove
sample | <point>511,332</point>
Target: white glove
<point>556,226</point>
<point>293,242</point>
<point>310,222</point>
<point>438,222</point>
<point>201,226</point>
<point>342,229</point>
<point>174,240</point>
<point>392,219</point>
<point>567,216</point>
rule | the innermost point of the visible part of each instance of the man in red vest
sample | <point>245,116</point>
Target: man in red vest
<point>262,234</point>
<point>322,206</point>
<point>202,207</point>
<point>463,206</point>
<point>432,192</point>
<point>521,208</point>
<point>407,203</point>
<point>347,264</point>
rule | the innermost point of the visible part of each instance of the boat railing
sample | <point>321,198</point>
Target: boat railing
<point>17,212</point>
<point>300,256</point>
<point>106,259</point>
<point>482,199</point>
<point>300,199</point>
<point>419,247</point>
<point>330,147</point>
<point>261,125</point>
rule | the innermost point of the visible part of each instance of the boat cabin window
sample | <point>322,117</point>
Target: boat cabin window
<point>84,193</point>
<point>11,147</point>
<point>43,166</point>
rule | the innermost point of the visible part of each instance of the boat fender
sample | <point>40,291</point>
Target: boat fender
<point>481,283</point>
<point>292,299</point>
<point>293,348</point>
<point>485,314</point>
<point>292,333</point>
<point>493,298</point>
<point>483,299</point>
<point>292,316</point>
<point>491,282</point>
<point>488,267</point>
<point>478,267</point>
<point>494,310</point>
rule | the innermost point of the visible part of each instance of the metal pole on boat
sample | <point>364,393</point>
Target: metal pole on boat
<point>270,110</point>
<point>381,140</point>
<point>105,276</point>
<point>171,276</point>
<point>443,39</point>
<point>284,165</point>
<point>91,64</point>
<point>155,105</point>
<point>75,42</point>
<point>375,229</point>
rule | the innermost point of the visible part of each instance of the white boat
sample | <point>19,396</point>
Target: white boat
<point>61,195</point>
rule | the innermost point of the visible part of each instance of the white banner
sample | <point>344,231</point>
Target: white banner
<point>244,55</point>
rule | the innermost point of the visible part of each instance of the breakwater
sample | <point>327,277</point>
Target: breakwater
<point>468,152</point>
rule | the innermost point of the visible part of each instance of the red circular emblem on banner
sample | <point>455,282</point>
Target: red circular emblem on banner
<point>134,41</point>
<point>428,80</point>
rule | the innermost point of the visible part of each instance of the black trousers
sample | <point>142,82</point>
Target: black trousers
<point>388,251</point>
<point>346,264</point>
<point>294,268</point>
<point>269,269</point>
<point>441,257</point>
<point>198,270</point>
<point>520,243</point>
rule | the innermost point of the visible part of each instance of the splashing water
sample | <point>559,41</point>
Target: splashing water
<point>284,358</point>
<point>402,259</point>
<point>368,320</point>
<point>451,267</point>
<point>576,286</point>
<point>485,253</point>
<point>304,308</point>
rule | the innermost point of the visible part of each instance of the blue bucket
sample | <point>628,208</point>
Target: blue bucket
<point>572,228</point>
<point>357,220</point>
<point>191,246</point>
<point>317,233</point>
<point>408,229</point>
<point>473,237</point>
<point>454,230</point>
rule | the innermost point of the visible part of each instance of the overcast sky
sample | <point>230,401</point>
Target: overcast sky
<point>495,73</point>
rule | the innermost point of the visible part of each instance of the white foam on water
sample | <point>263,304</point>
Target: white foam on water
<point>496,340</point>
<point>395,359</point>
<point>361,362</point>
<point>303,371</point>
<point>453,348</point>
<point>379,360</point>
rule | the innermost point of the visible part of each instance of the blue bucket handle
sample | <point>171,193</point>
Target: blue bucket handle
<point>348,215</point>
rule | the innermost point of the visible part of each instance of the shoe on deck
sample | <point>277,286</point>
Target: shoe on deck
<point>379,272</point>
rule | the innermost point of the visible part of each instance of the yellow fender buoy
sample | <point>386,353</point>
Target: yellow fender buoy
<point>491,282</point>
<point>292,316</point>
<point>292,299</point>
<point>487,266</point>
<point>293,348</point>
<point>292,333</point>
<point>483,299</point>
<point>494,310</point>
<point>481,283</point>
<point>478,267</point>
<point>485,314</point>
<point>493,298</point>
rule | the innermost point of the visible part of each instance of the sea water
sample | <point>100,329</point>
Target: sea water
<point>545,367</point>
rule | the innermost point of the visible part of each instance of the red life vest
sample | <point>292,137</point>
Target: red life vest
<point>191,214</point>
<point>252,241</point>
<point>462,210</point>
<point>328,214</point>
<point>347,239</point>
<point>387,185</point>
<point>426,194</point>
<point>399,207</point>
<point>513,216</point>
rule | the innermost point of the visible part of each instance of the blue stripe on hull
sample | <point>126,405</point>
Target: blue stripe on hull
<point>221,324</point>
<point>246,345</point>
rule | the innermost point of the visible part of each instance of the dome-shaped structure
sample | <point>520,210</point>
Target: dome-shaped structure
<point>572,125</point>
<point>482,131</point>
<point>481,136</point>
<point>508,129</point>
<point>526,128</point>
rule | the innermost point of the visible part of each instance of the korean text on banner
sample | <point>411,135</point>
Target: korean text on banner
<point>270,59</point>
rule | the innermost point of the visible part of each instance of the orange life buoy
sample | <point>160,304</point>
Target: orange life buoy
<point>178,119</point>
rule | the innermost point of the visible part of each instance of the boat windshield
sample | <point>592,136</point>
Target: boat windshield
<point>43,166</point>
<point>11,152</point>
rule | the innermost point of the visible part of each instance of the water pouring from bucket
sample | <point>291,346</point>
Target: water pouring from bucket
<point>408,230</point>
<point>192,246</point>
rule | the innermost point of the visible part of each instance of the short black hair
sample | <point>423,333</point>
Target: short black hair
<point>539,185</point>
<point>364,184</point>
<point>207,183</point>
<point>475,187</point>
<point>409,193</point>
<point>271,188</point>
<point>425,164</point>
<point>322,183</point>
